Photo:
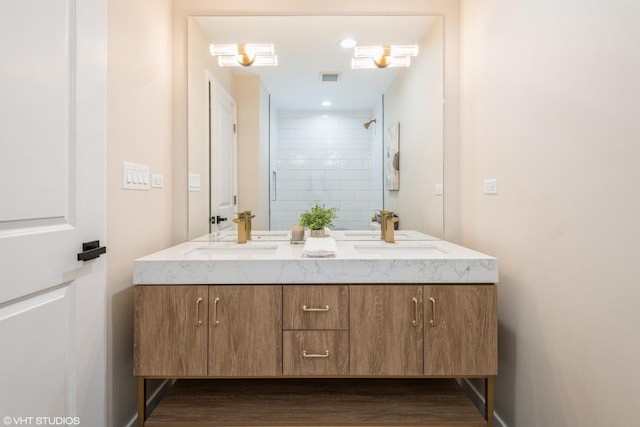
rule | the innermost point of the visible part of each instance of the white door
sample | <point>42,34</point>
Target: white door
<point>224,168</point>
<point>52,199</point>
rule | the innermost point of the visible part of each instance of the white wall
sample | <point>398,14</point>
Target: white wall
<point>138,130</point>
<point>253,148</point>
<point>201,66</point>
<point>549,107</point>
<point>414,100</point>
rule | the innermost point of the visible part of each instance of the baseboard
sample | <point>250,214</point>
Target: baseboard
<point>478,400</point>
<point>152,401</point>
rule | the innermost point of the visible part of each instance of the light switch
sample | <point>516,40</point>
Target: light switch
<point>491,186</point>
<point>194,182</point>
<point>438,190</point>
<point>135,176</point>
<point>157,181</point>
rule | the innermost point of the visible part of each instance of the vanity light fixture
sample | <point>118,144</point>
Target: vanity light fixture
<point>383,56</point>
<point>244,54</point>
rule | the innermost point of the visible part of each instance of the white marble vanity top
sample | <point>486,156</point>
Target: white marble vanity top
<point>269,258</point>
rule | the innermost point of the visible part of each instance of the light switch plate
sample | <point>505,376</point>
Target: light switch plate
<point>438,191</point>
<point>491,186</point>
<point>157,181</point>
<point>135,176</point>
<point>194,182</point>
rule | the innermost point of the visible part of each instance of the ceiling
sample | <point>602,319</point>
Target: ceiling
<point>307,46</point>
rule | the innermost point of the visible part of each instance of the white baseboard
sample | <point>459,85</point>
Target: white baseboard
<point>478,400</point>
<point>152,401</point>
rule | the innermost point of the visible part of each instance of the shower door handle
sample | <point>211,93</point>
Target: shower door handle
<point>274,178</point>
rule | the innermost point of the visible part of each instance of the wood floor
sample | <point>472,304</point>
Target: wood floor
<point>315,403</point>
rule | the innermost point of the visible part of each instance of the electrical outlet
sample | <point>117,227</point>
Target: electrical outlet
<point>491,186</point>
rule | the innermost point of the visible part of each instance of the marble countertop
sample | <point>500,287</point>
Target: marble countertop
<point>361,257</point>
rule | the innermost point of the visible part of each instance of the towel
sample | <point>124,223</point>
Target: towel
<point>316,247</point>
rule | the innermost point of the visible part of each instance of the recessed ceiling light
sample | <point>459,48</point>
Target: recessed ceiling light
<point>347,43</point>
<point>326,103</point>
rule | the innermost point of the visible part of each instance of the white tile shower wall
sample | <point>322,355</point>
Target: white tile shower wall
<point>327,158</point>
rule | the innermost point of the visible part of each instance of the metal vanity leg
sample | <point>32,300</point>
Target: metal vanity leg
<point>142,400</point>
<point>488,396</point>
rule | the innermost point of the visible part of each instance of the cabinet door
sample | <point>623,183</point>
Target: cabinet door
<point>170,331</point>
<point>461,330</point>
<point>386,330</point>
<point>245,331</point>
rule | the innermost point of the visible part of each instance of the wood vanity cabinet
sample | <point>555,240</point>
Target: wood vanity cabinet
<point>199,331</point>
<point>386,330</point>
<point>316,330</point>
<point>461,330</point>
<point>170,331</point>
<point>245,331</point>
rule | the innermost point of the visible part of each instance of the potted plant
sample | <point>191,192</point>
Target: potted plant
<point>317,219</point>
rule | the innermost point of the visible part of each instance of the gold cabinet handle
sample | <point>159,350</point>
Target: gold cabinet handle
<point>308,356</point>
<point>433,312</point>
<point>216,322</point>
<point>415,307</point>
<point>305,308</point>
<point>198,321</point>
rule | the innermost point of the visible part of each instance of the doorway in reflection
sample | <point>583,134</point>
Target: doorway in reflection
<point>328,158</point>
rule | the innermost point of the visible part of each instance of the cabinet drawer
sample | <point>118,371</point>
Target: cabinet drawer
<point>316,353</point>
<point>316,307</point>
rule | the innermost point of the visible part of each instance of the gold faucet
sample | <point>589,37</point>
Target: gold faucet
<point>383,223</point>
<point>391,226</point>
<point>242,228</point>
<point>247,222</point>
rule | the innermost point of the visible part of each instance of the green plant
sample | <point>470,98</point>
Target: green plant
<point>318,217</point>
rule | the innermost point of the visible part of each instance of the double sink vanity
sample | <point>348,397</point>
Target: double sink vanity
<point>259,334</point>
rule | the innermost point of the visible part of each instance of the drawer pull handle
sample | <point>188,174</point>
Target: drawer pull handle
<point>309,356</point>
<point>433,312</point>
<point>198,321</point>
<point>216,322</point>
<point>415,315</point>
<point>305,308</point>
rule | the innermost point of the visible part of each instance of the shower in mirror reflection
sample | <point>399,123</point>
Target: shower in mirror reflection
<point>369,123</point>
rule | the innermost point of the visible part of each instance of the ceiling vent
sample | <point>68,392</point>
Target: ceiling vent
<point>329,77</point>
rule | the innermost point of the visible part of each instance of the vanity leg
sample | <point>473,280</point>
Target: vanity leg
<point>488,397</point>
<point>142,400</point>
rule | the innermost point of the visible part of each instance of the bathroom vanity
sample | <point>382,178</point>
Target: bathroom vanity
<point>371,336</point>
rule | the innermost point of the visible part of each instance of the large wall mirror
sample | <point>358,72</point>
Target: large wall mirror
<point>378,145</point>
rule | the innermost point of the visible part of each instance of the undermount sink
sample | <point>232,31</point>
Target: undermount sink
<point>227,251</point>
<point>269,235</point>
<point>256,236</point>
<point>371,234</point>
<point>415,251</point>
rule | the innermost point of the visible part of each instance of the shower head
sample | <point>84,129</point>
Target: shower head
<point>366,125</point>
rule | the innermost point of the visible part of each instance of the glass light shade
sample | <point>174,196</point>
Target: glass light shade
<point>394,61</point>
<point>259,61</point>
<point>223,49</point>
<point>244,54</point>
